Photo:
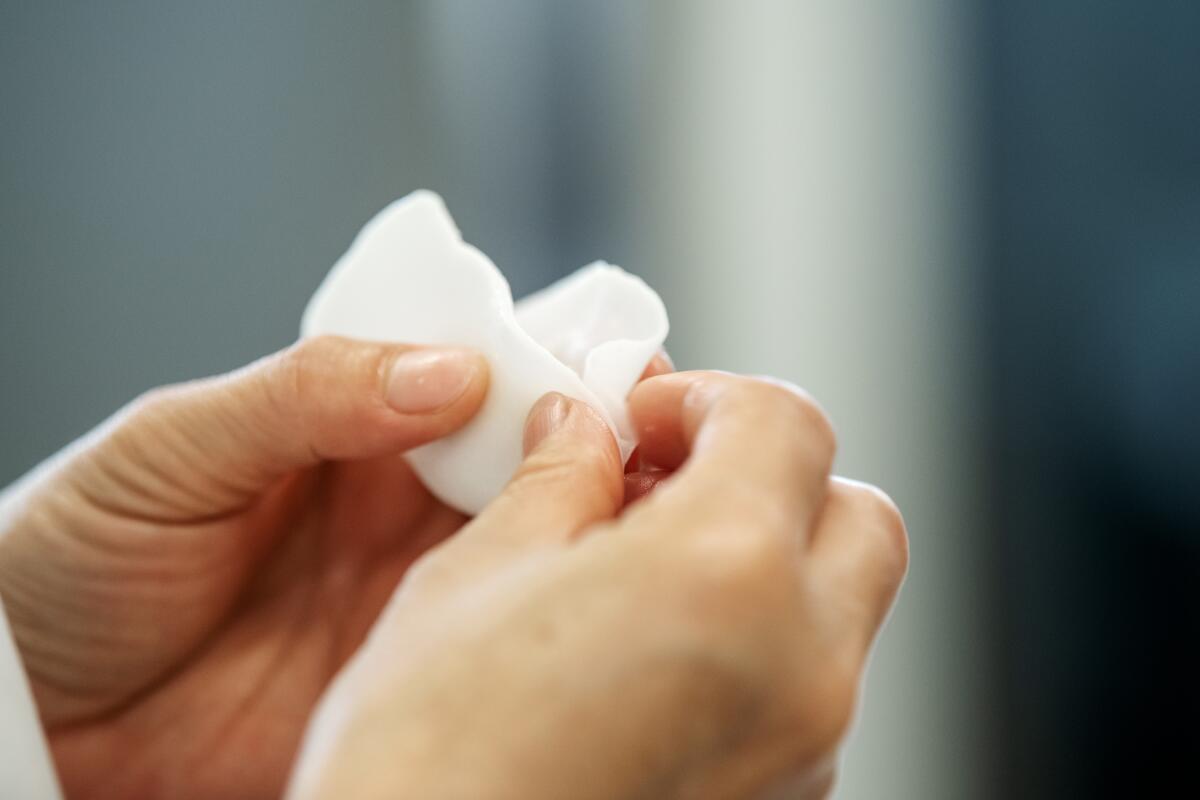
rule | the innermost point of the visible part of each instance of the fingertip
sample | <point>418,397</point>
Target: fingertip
<point>657,409</point>
<point>673,387</point>
<point>546,416</point>
<point>434,380</point>
<point>557,420</point>
<point>571,477</point>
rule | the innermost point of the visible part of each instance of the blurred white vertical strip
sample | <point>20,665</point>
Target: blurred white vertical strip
<point>802,185</point>
<point>26,769</point>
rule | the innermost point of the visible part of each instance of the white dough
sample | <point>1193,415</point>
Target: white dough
<point>409,277</point>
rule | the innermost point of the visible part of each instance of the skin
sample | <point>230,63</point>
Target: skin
<point>186,582</point>
<point>705,642</point>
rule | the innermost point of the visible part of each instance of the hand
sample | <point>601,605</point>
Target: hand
<point>184,582</point>
<point>707,642</point>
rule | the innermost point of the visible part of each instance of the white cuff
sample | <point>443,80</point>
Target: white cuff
<point>26,771</point>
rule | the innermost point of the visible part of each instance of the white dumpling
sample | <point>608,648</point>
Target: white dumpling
<point>409,277</point>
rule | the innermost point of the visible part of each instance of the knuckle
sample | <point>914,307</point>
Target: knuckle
<point>544,469</point>
<point>304,361</point>
<point>573,469</point>
<point>283,383</point>
<point>321,345</point>
<point>299,380</point>
<point>287,392</point>
<point>813,422</point>
<point>151,409</point>
<point>880,514</point>
<point>795,409</point>
<point>152,401</point>
<point>156,421</point>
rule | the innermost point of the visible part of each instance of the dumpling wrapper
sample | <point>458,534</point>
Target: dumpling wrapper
<point>409,277</point>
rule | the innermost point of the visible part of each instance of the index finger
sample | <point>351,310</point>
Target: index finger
<point>746,449</point>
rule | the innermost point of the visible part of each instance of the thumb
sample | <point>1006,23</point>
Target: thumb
<point>209,446</point>
<point>571,477</point>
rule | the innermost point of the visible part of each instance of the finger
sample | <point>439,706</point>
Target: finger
<point>746,449</point>
<point>858,556</point>
<point>208,446</point>
<point>641,483</point>
<point>571,478</point>
<point>661,364</point>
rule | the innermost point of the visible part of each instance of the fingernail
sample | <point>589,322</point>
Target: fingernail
<point>425,381</point>
<point>546,416</point>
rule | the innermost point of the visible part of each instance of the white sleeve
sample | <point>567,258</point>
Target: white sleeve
<point>25,767</point>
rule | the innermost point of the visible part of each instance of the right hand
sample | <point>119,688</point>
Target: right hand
<point>706,642</point>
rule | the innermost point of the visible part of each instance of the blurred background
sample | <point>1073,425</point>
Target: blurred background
<point>972,229</point>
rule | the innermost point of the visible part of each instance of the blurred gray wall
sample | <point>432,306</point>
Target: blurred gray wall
<point>176,178</point>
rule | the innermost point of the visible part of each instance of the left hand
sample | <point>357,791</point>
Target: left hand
<point>183,583</point>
